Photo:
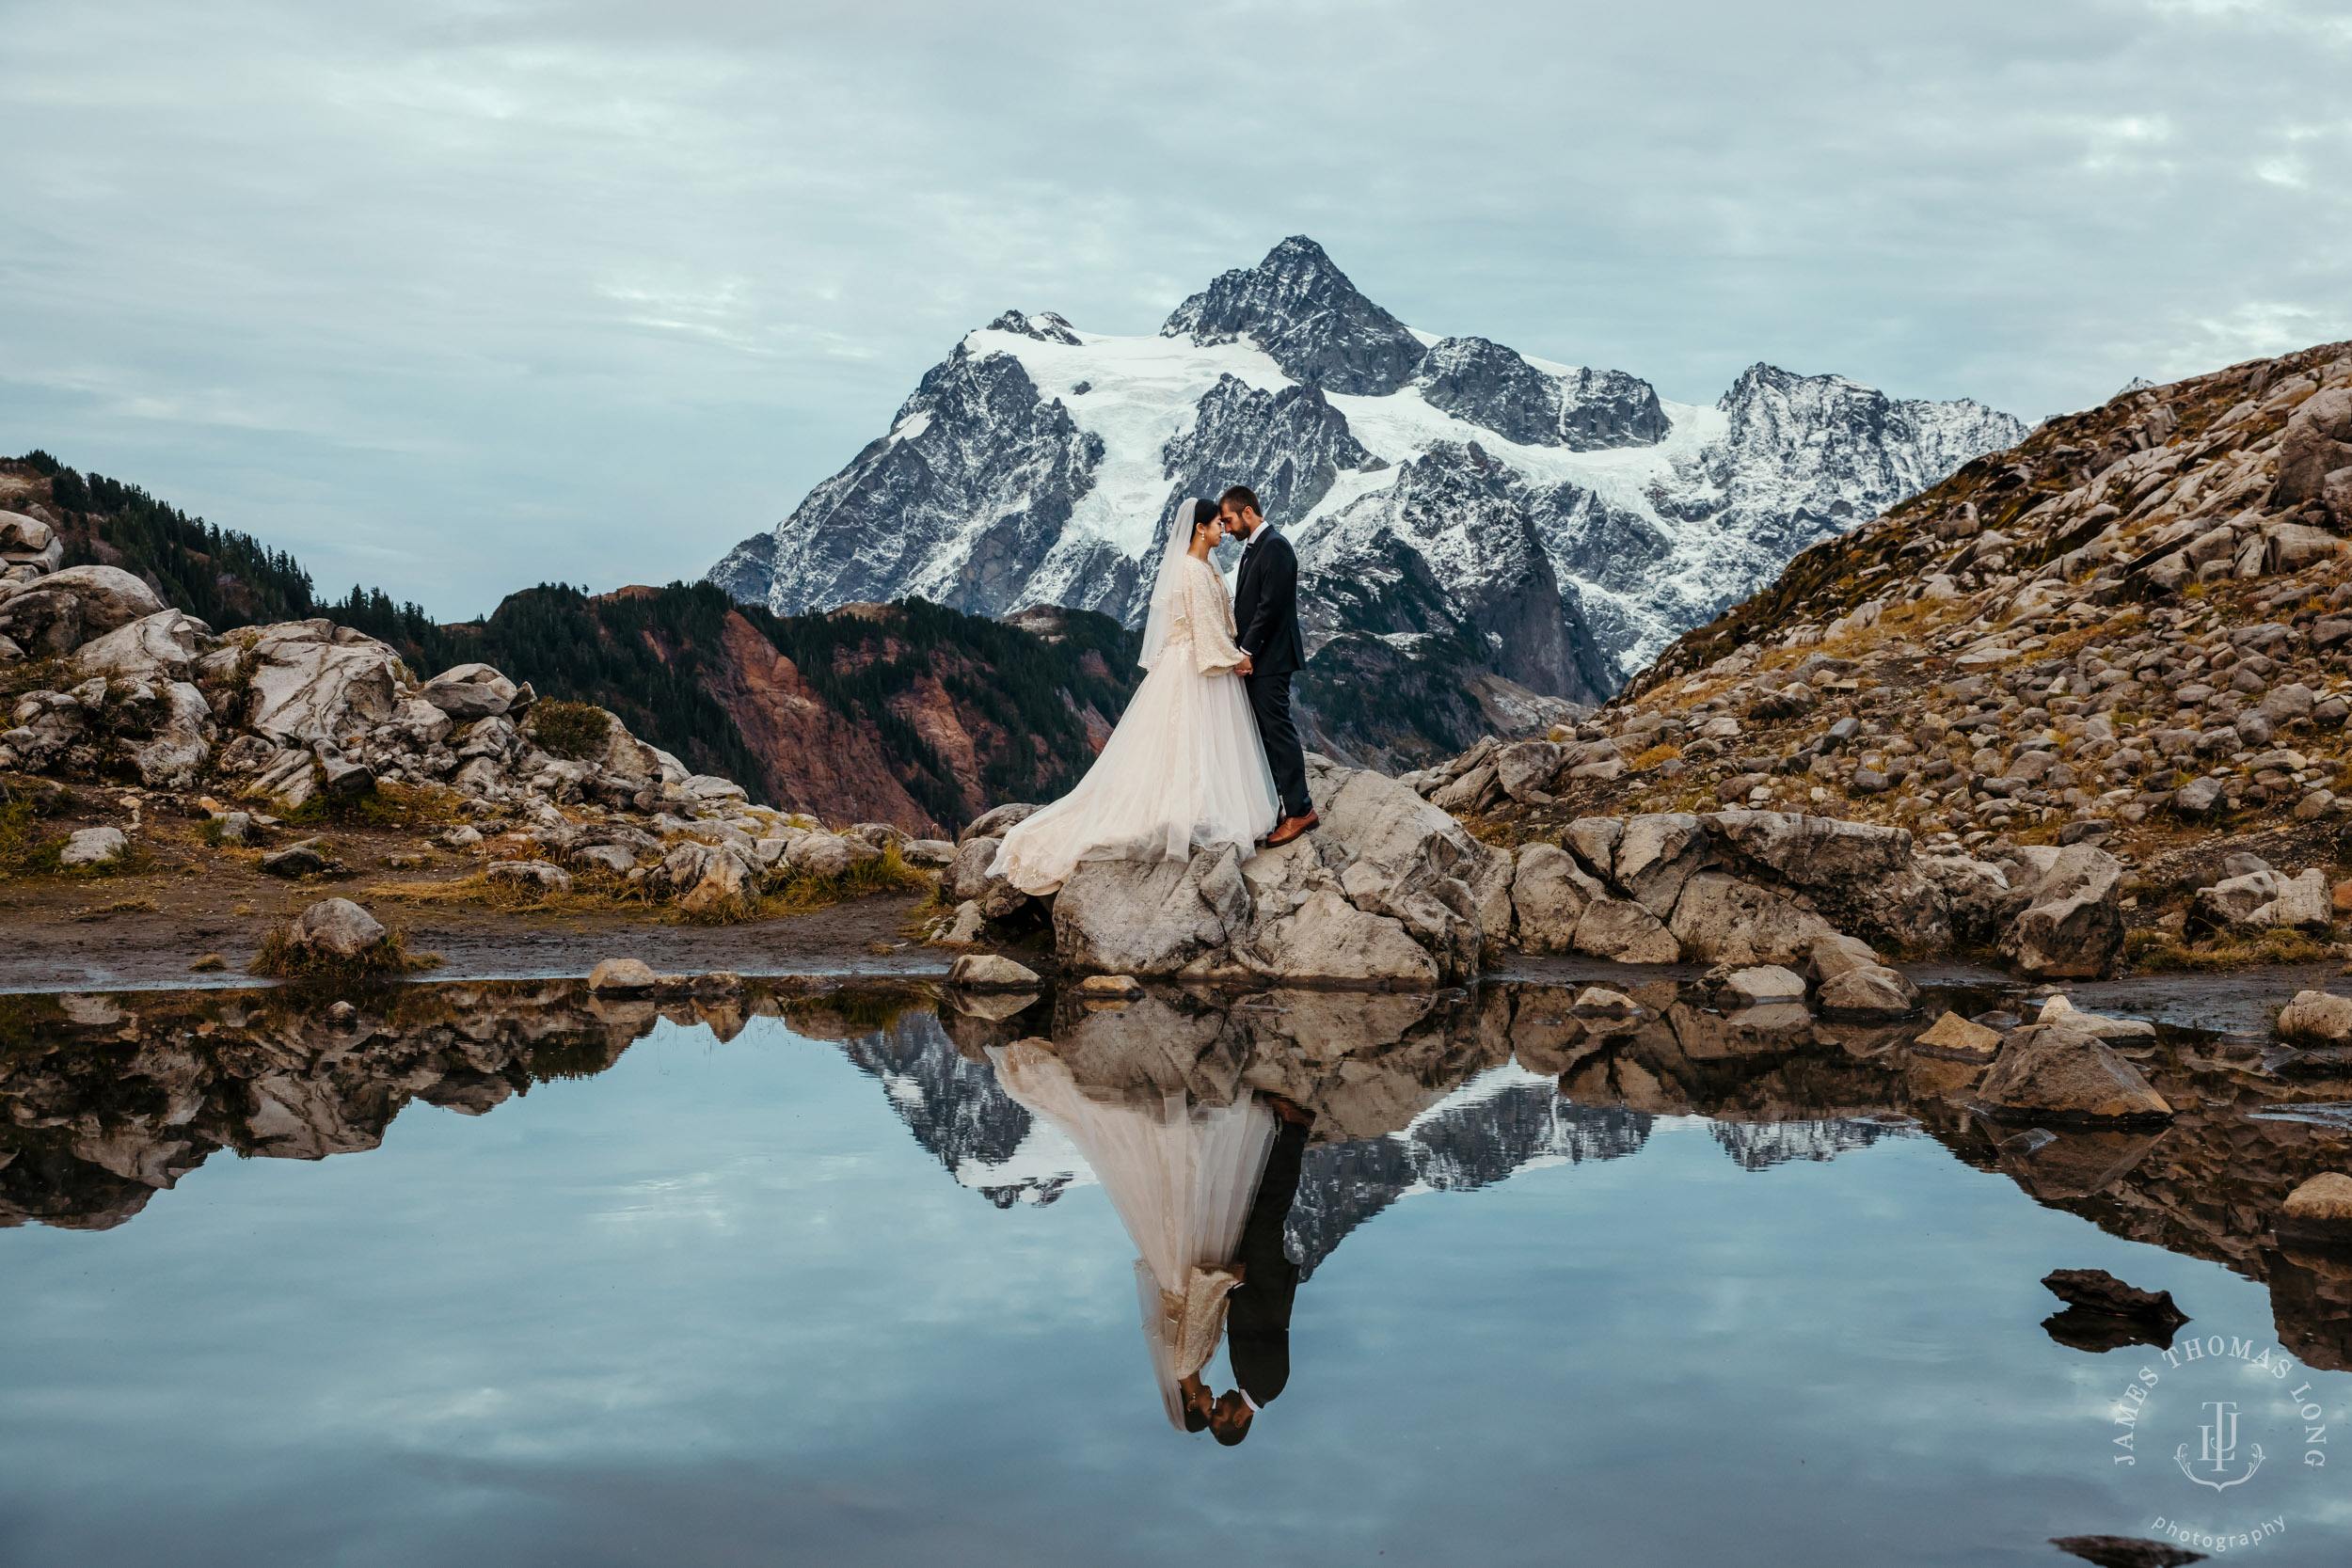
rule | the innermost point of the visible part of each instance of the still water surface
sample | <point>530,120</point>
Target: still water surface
<point>814,1289</point>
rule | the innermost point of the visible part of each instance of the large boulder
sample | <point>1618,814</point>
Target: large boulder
<point>1150,917</point>
<point>69,608</point>
<point>1720,919</point>
<point>1329,939</point>
<point>163,647</point>
<point>2072,927</point>
<point>1396,855</point>
<point>313,680</point>
<point>2262,897</point>
<point>2061,1071</point>
<point>1548,894</point>
<point>1657,854</point>
<point>1862,877</point>
<point>829,854</point>
<point>171,750</point>
<point>27,541</point>
<point>2317,442</point>
<point>997,821</point>
<point>93,846</point>
<point>1624,932</point>
<point>2317,1018</point>
<point>469,691</point>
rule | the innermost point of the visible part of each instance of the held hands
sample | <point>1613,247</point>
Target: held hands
<point>1243,668</point>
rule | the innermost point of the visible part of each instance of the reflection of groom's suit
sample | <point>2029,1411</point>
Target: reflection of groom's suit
<point>1266,609</point>
<point>1258,1313</point>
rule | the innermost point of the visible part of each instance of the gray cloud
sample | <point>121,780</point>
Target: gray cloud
<point>467,296</point>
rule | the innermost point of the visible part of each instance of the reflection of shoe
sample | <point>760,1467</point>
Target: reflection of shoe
<point>1290,829</point>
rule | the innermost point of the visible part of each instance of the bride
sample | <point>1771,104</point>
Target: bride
<point>1185,766</point>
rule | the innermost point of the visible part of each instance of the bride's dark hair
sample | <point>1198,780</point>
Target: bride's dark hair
<point>1205,515</point>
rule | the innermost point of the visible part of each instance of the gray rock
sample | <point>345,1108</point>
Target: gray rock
<point>829,854</point>
<point>2060,1072</point>
<point>315,681</point>
<point>1328,939</point>
<point>1548,897</point>
<point>1762,986</point>
<point>931,853</point>
<point>2197,797</point>
<point>1719,918</point>
<point>307,858</point>
<point>605,857</point>
<point>469,691</point>
<point>1525,769</point>
<point>997,821</point>
<point>1139,917</point>
<point>542,875</point>
<point>1594,840</point>
<point>730,881</point>
<point>2073,928</point>
<point>93,846</point>
<point>967,925</point>
<point>1613,928</point>
<point>2317,1018</point>
<point>1871,993</point>
<point>164,647</point>
<point>622,977</point>
<point>2257,897</point>
<point>990,971</point>
<point>338,928</point>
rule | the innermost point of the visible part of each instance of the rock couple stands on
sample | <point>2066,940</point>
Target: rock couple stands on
<point>1393,891</point>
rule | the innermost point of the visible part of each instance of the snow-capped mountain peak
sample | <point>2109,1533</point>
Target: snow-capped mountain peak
<point>1455,504</point>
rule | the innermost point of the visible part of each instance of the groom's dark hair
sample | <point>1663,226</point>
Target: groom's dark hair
<point>1240,495</point>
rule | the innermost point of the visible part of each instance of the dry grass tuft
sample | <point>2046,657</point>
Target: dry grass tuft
<point>281,960</point>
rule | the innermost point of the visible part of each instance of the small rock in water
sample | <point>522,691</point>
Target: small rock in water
<point>2054,1006</point>
<point>2097,1290</point>
<point>621,977</point>
<point>1957,1034</point>
<point>1121,986</point>
<point>342,1012</point>
<point>1763,985</point>
<point>1874,993</point>
<point>2319,1210</point>
<point>988,971</point>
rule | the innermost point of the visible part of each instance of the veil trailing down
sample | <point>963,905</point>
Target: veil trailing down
<point>1182,1177</point>
<point>1184,767</point>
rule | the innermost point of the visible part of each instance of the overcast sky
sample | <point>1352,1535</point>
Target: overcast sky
<point>453,296</point>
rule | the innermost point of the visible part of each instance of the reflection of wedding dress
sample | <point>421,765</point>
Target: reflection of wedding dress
<point>1182,1178</point>
<point>1185,766</point>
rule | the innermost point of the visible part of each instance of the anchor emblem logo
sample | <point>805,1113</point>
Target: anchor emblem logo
<point>2218,1450</point>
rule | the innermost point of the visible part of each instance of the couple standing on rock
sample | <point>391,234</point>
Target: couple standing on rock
<point>1199,757</point>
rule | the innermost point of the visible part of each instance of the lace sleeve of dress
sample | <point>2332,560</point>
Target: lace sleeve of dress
<point>1211,619</point>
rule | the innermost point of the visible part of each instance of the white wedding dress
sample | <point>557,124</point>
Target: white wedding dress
<point>1182,1178</point>
<point>1183,767</point>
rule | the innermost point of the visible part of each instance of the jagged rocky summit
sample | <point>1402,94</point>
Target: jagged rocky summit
<point>1483,535</point>
<point>2129,632</point>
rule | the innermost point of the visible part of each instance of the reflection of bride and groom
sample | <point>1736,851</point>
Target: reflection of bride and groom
<point>1204,1191</point>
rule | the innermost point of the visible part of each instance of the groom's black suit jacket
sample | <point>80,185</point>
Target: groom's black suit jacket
<point>1265,606</point>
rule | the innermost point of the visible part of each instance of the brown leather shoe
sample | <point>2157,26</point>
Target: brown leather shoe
<point>1290,828</point>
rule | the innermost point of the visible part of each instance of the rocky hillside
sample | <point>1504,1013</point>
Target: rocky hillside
<point>908,714</point>
<point>1478,530</point>
<point>2132,629</point>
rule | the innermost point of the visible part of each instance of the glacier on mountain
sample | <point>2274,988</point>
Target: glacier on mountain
<point>1552,525</point>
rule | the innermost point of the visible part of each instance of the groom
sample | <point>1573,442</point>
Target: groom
<point>1265,608</point>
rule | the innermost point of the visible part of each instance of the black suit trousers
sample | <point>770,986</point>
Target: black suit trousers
<point>1270,700</point>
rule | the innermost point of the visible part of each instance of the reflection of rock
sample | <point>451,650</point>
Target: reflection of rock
<point>2097,1291</point>
<point>2125,1551</point>
<point>2311,1302</point>
<point>2079,1328</point>
<point>2076,1161</point>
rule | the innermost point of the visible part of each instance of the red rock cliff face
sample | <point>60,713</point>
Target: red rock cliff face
<point>811,758</point>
